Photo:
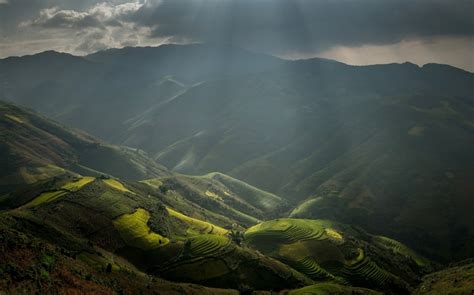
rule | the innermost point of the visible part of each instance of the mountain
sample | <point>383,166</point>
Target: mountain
<point>456,279</point>
<point>100,229</point>
<point>34,148</point>
<point>120,83</point>
<point>88,231</point>
<point>384,147</point>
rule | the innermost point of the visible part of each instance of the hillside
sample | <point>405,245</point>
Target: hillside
<point>456,279</point>
<point>209,234</point>
<point>101,219</point>
<point>216,169</point>
<point>386,147</point>
<point>33,148</point>
<point>81,225</point>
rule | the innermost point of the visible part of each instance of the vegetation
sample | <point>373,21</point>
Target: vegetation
<point>327,251</point>
<point>457,279</point>
<point>116,185</point>
<point>196,226</point>
<point>331,289</point>
<point>337,144</point>
<point>134,230</point>
<point>51,196</point>
<point>207,244</point>
<point>78,184</point>
<point>400,248</point>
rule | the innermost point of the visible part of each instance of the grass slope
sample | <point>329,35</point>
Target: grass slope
<point>456,279</point>
<point>34,148</point>
<point>196,226</point>
<point>331,252</point>
<point>135,231</point>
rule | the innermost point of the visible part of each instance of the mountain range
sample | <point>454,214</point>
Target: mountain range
<point>215,158</point>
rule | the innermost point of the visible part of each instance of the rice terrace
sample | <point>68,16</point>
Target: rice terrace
<point>254,147</point>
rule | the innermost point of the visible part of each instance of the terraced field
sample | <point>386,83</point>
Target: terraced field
<point>134,230</point>
<point>324,251</point>
<point>77,185</point>
<point>330,289</point>
<point>45,197</point>
<point>286,230</point>
<point>400,248</point>
<point>208,244</point>
<point>364,269</point>
<point>117,185</point>
<point>196,226</point>
<point>311,268</point>
<point>51,196</point>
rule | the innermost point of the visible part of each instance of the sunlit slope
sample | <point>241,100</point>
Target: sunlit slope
<point>224,195</point>
<point>196,226</point>
<point>34,148</point>
<point>134,222</point>
<point>328,251</point>
<point>331,289</point>
<point>81,270</point>
<point>379,143</point>
<point>306,134</point>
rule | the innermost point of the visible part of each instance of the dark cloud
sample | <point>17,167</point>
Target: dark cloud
<point>281,25</point>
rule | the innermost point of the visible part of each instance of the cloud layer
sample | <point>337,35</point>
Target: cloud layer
<point>281,27</point>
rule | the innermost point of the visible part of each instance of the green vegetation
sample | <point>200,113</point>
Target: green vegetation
<point>116,185</point>
<point>304,208</point>
<point>154,182</point>
<point>287,230</point>
<point>78,184</point>
<point>15,118</point>
<point>46,197</point>
<point>51,196</point>
<point>207,244</point>
<point>331,289</point>
<point>365,270</point>
<point>309,267</point>
<point>400,248</point>
<point>214,196</point>
<point>457,279</point>
<point>134,230</point>
<point>197,226</point>
<point>34,174</point>
<point>327,251</point>
<point>261,199</point>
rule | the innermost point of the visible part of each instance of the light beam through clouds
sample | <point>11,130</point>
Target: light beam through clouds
<point>356,32</point>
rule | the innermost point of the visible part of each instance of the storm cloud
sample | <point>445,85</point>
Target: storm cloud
<point>281,27</point>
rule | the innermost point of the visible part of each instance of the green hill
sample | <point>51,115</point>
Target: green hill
<point>225,195</point>
<point>331,178</point>
<point>387,147</point>
<point>33,148</point>
<point>336,253</point>
<point>456,279</point>
<point>86,215</point>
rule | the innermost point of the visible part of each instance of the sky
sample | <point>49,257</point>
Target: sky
<point>352,31</point>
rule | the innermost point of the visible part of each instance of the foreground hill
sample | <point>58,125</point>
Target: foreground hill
<point>94,233</point>
<point>92,230</point>
<point>456,279</point>
<point>33,148</point>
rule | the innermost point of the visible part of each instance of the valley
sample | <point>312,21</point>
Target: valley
<point>128,171</point>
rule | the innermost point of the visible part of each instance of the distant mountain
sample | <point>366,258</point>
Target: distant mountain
<point>385,147</point>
